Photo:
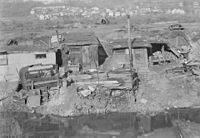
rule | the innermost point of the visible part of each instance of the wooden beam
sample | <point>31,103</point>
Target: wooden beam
<point>131,55</point>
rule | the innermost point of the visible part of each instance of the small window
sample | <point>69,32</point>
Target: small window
<point>40,56</point>
<point>75,49</point>
<point>3,59</point>
<point>120,51</point>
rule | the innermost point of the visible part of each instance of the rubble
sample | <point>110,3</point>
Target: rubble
<point>85,92</point>
<point>89,94</point>
<point>186,69</point>
<point>187,129</point>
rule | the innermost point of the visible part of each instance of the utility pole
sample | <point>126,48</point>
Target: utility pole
<point>131,56</point>
<point>65,3</point>
<point>57,34</point>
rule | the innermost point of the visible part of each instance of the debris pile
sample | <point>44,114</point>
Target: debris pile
<point>103,100</point>
<point>187,129</point>
<point>101,96</point>
<point>186,69</point>
<point>92,96</point>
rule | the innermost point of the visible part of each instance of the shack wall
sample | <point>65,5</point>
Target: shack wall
<point>141,59</point>
<point>16,61</point>
<point>121,57</point>
<point>87,56</point>
<point>90,57</point>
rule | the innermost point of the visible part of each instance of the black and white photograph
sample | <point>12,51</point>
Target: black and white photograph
<point>99,68</point>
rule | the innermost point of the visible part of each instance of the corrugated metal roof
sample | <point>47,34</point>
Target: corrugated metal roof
<point>76,38</point>
<point>15,48</point>
<point>123,43</point>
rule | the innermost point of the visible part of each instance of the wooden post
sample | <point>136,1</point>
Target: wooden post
<point>57,34</point>
<point>131,56</point>
<point>49,44</point>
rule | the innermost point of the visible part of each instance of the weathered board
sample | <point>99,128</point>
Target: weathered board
<point>140,59</point>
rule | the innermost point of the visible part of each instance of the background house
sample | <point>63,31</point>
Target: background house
<point>82,49</point>
<point>12,59</point>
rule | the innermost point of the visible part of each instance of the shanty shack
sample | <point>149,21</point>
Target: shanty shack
<point>82,51</point>
<point>120,54</point>
<point>12,59</point>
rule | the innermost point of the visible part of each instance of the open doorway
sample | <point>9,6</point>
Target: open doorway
<point>161,53</point>
<point>102,55</point>
<point>159,47</point>
<point>59,61</point>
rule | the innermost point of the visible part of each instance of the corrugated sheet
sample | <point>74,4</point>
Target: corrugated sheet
<point>123,43</point>
<point>10,49</point>
<point>76,38</point>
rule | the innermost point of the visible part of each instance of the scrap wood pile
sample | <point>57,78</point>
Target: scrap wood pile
<point>101,95</point>
<point>97,83</point>
<point>102,100</point>
<point>13,103</point>
<point>188,68</point>
<point>8,98</point>
<point>187,129</point>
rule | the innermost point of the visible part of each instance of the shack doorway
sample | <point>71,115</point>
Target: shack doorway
<point>102,55</point>
<point>159,47</point>
<point>59,61</point>
<point>161,53</point>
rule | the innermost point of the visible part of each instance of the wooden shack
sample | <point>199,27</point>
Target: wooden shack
<point>13,58</point>
<point>82,51</point>
<point>120,57</point>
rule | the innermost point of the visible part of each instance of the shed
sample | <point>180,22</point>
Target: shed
<point>82,49</point>
<point>13,58</point>
<point>120,57</point>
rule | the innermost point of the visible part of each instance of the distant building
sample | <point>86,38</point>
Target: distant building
<point>117,14</point>
<point>12,1</point>
<point>196,7</point>
<point>180,4</point>
<point>46,1</point>
<point>195,4</point>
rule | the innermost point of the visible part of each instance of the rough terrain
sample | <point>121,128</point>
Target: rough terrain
<point>156,93</point>
<point>157,90</point>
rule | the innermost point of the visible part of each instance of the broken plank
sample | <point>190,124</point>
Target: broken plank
<point>97,82</point>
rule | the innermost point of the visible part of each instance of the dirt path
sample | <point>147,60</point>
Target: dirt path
<point>162,133</point>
